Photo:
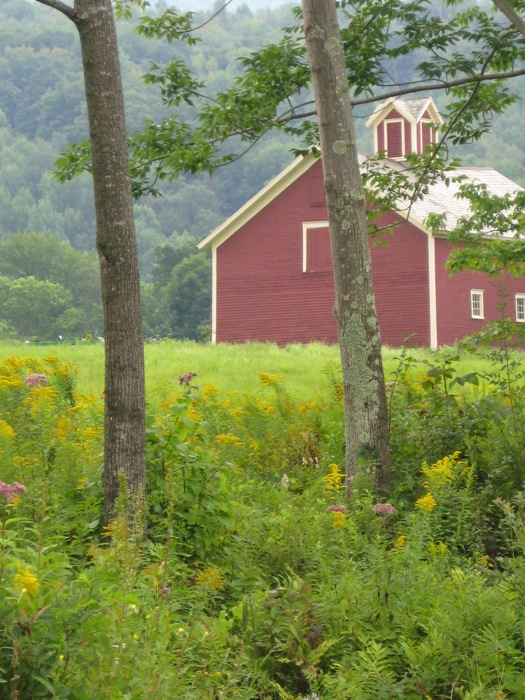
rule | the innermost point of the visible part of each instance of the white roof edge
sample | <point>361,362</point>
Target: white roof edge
<point>268,193</point>
<point>376,116</point>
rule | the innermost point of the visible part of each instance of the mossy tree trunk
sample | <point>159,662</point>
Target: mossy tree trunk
<point>366,413</point>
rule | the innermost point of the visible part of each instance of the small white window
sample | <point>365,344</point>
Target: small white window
<point>520,308</point>
<point>476,303</point>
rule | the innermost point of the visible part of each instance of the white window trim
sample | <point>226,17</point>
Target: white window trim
<point>307,225</point>
<point>516,298</point>
<point>385,134</point>
<point>481,314</point>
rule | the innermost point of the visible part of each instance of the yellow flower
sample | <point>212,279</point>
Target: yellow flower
<point>228,439</point>
<point>193,414</point>
<point>269,379</point>
<point>436,549</point>
<point>334,480</point>
<point>6,431</point>
<point>27,582</point>
<point>210,578</point>
<point>426,503</point>
<point>180,630</point>
<point>210,391</point>
<point>339,519</point>
<point>237,411</point>
<point>400,542</point>
<point>444,470</point>
<point>485,562</point>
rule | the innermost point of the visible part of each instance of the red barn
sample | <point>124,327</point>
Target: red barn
<point>272,267</point>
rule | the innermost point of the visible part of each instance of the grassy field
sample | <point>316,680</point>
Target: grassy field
<point>260,577</point>
<point>304,368</point>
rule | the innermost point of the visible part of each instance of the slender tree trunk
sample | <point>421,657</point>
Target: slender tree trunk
<point>366,414</point>
<point>124,421</point>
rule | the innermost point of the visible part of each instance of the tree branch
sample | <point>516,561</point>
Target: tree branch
<point>511,14</point>
<point>221,9</point>
<point>424,87</point>
<point>66,10</point>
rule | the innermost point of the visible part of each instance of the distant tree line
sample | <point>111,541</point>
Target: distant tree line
<point>50,290</point>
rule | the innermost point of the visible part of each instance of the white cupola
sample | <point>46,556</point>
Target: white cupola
<point>404,126</point>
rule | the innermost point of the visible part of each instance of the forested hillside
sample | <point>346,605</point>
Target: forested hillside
<point>42,109</point>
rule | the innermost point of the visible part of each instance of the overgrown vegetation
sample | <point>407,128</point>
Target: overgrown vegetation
<point>256,579</point>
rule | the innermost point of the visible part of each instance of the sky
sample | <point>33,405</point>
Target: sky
<point>200,5</point>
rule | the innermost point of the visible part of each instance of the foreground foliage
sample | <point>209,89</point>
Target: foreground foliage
<point>256,579</point>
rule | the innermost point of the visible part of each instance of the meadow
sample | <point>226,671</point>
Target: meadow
<point>258,577</point>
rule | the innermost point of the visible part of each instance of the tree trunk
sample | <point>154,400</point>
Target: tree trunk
<point>124,421</point>
<point>366,414</point>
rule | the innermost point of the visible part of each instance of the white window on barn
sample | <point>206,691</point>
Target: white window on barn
<point>394,138</point>
<point>317,254</point>
<point>520,308</point>
<point>476,303</point>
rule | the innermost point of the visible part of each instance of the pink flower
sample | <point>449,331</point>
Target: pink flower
<point>186,378</point>
<point>336,509</point>
<point>35,380</point>
<point>384,509</point>
<point>11,491</point>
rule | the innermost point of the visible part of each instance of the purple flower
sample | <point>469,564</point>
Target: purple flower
<point>11,491</point>
<point>165,590</point>
<point>336,509</point>
<point>384,509</point>
<point>35,380</point>
<point>186,378</point>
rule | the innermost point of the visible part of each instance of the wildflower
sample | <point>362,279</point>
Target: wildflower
<point>228,439</point>
<point>485,562</point>
<point>285,482</point>
<point>187,378</point>
<point>336,509</point>
<point>6,431</point>
<point>11,491</point>
<point>334,479</point>
<point>180,630</point>
<point>426,503</point>
<point>339,518</point>
<point>444,470</point>
<point>400,542</point>
<point>211,578</point>
<point>27,582</point>
<point>384,509</point>
<point>165,590</point>
<point>269,379</point>
<point>210,391</point>
<point>35,380</point>
<point>435,549</point>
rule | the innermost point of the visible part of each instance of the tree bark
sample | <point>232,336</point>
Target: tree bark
<point>124,419</point>
<point>124,395</point>
<point>366,413</point>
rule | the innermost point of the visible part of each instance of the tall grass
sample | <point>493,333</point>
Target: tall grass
<point>229,367</point>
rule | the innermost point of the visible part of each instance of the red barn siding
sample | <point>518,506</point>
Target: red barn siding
<point>453,298</point>
<point>263,294</point>
<point>400,273</point>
